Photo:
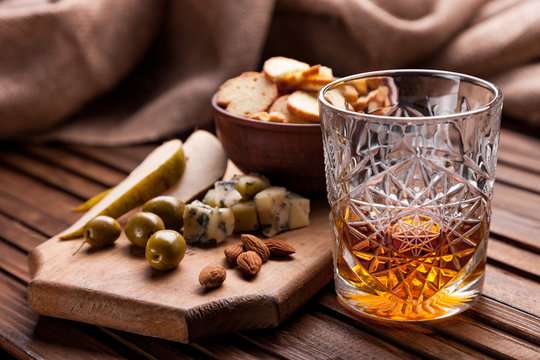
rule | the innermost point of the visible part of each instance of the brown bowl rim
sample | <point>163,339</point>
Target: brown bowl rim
<point>265,125</point>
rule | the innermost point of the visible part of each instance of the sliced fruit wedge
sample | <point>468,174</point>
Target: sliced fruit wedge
<point>88,204</point>
<point>161,169</point>
<point>206,162</point>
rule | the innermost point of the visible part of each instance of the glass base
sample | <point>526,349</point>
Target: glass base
<point>387,306</point>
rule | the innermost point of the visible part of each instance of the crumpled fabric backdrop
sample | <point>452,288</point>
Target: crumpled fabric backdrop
<point>125,71</point>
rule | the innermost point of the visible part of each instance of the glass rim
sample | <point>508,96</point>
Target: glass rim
<point>497,98</point>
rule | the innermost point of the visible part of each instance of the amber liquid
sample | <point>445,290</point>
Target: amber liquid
<point>412,268</point>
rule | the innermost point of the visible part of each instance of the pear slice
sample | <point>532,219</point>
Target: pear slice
<point>206,162</point>
<point>88,204</point>
<point>159,171</point>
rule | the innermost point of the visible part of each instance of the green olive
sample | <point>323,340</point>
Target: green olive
<point>165,249</point>
<point>141,226</point>
<point>169,209</point>
<point>101,230</point>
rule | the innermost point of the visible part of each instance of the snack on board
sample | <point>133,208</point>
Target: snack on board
<point>212,276</point>
<point>252,252</point>
<point>245,216</point>
<point>207,225</point>
<point>253,243</point>
<point>279,247</point>
<point>250,184</point>
<point>100,231</point>
<point>165,249</point>
<point>169,208</point>
<point>232,252</point>
<point>160,170</point>
<point>249,262</point>
<point>254,204</point>
<point>141,226</point>
<point>273,207</point>
<point>243,204</point>
<point>205,162</point>
<point>287,76</point>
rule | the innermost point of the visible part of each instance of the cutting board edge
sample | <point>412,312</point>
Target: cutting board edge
<point>291,300</point>
<point>49,298</point>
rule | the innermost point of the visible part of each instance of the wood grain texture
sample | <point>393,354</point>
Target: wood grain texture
<point>51,175</point>
<point>512,289</point>
<point>520,230</point>
<point>416,339</point>
<point>26,335</point>
<point>115,286</point>
<point>121,159</point>
<point>318,330</point>
<point>327,338</point>
<point>523,261</point>
<point>506,319</point>
<point>98,172</point>
<point>20,235</point>
<point>520,151</point>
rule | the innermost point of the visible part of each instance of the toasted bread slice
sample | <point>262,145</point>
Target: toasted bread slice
<point>312,79</point>
<point>349,92</point>
<point>374,100</point>
<point>374,82</point>
<point>313,70</point>
<point>272,116</point>
<point>314,83</point>
<point>360,86</point>
<point>304,105</point>
<point>247,94</point>
<point>280,106</point>
<point>336,98</point>
<point>279,67</point>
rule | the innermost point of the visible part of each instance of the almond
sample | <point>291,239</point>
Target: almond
<point>249,262</point>
<point>279,247</point>
<point>212,276</point>
<point>253,243</point>
<point>232,251</point>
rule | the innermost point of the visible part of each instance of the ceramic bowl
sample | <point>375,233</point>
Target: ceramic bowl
<point>290,155</point>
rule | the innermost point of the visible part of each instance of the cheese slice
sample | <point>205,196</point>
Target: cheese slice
<point>273,208</point>
<point>299,213</point>
<point>207,225</point>
<point>250,184</point>
<point>210,198</point>
<point>226,194</point>
<point>245,216</point>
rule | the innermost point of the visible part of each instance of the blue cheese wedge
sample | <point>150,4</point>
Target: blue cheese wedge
<point>299,212</point>
<point>210,198</point>
<point>207,225</point>
<point>245,216</point>
<point>273,209</point>
<point>226,194</point>
<point>250,184</point>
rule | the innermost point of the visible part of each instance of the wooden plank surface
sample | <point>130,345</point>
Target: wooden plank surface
<point>35,205</point>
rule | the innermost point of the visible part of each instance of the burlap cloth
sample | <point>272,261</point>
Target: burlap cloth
<point>124,71</point>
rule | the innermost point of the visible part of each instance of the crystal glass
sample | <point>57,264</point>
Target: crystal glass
<point>410,160</point>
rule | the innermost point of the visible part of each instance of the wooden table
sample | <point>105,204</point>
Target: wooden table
<point>39,185</point>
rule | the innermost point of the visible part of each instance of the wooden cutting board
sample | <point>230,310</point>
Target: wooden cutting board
<point>115,286</point>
